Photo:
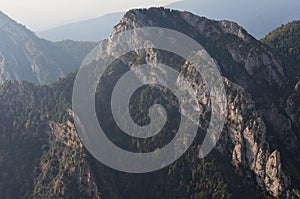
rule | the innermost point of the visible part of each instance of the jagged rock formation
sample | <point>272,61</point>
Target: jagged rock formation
<point>248,134</point>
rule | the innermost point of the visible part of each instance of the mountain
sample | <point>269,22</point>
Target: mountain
<point>78,50</point>
<point>88,30</point>
<point>285,43</point>
<point>258,17</point>
<point>24,56</point>
<point>257,156</point>
<point>253,76</point>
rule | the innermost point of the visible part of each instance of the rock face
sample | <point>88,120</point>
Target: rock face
<point>249,71</point>
<point>248,134</point>
<point>70,158</point>
<point>275,181</point>
<point>23,56</point>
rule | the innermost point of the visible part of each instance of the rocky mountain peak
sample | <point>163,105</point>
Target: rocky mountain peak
<point>168,18</point>
<point>241,58</point>
<point>252,74</point>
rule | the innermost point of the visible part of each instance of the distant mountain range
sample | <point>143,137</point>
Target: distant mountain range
<point>258,17</point>
<point>88,30</point>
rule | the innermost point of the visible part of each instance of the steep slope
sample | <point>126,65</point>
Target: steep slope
<point>78,50</point>
<point>36,160</point>
<point>23,56</point>
<point>256,157</point>
<point>285,43</point>
<point>42,156</point>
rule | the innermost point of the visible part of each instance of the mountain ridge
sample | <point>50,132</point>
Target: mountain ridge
<point>24,56</point>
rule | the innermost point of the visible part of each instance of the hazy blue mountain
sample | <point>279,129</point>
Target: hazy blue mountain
<point>24,56</point>
<point>88,30</point>
<point>258,17</point>
<point>78,50</point>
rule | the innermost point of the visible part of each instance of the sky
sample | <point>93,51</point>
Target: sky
<point>41,15</point>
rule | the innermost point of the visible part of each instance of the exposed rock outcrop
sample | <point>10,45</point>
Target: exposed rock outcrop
<point>248,134</point>
<point>66,152</point>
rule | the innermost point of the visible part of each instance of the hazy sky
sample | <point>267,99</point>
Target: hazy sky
<point>43,14</point>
